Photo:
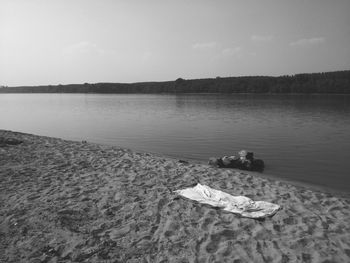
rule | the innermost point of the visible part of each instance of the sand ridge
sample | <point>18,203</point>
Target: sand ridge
<point>64,201</point>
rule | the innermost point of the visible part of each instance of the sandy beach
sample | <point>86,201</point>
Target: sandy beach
<point>65,201</point>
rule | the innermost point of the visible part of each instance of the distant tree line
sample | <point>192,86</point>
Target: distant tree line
<point>328,83</point>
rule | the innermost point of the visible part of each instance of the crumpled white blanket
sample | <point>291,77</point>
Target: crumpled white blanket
<point>236,204</point>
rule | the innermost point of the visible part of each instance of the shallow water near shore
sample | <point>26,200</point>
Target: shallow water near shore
<point>302,138</point>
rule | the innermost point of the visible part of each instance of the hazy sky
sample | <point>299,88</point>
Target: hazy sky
<point>77,41</point>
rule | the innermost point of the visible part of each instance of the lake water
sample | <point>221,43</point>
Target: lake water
<point>305,138</point>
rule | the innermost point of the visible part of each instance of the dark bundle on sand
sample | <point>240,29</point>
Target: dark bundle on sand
<point>245,161</point>
<point>9,141</point>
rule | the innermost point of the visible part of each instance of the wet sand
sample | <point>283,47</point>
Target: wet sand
<point>65,201</point>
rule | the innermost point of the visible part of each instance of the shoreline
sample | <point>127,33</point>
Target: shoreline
<point>63,201</point>
<point>269,176</point>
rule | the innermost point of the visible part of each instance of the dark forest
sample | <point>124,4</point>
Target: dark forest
<point>321,83</point>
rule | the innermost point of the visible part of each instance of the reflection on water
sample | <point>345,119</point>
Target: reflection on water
<point>301,137</point>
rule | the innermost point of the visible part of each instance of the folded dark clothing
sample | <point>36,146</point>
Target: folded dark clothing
<point>246,162</point>
<point>9,141</point>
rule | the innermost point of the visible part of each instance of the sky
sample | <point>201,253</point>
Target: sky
<point>88,41</point>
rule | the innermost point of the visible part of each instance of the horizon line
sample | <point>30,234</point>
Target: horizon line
<point>150,81</point>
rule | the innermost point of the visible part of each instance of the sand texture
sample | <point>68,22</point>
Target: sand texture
<point>64,201</point>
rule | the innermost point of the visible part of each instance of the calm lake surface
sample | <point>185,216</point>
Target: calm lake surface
<point>304,138</point>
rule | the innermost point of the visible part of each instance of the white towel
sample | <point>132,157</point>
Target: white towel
<point>236,204</point>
